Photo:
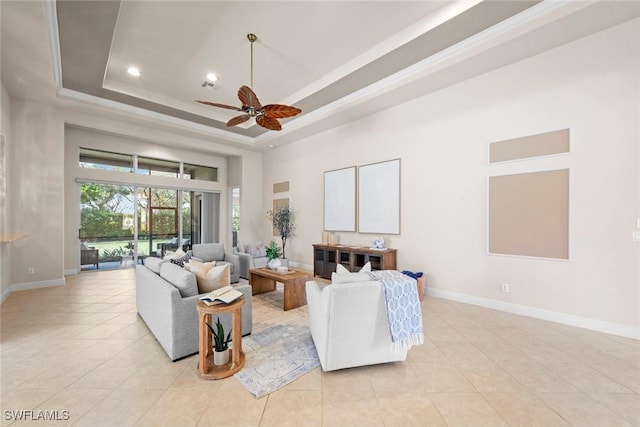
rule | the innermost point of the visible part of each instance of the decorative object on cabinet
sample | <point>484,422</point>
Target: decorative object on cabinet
<point>378,243</point>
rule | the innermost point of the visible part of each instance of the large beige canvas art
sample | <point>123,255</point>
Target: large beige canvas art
<point>529,214</point>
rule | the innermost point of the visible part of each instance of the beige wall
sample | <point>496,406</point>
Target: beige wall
<point>5,129</point>
<point>590,86</point>
<point>37,193</point>
<point>43,199</point>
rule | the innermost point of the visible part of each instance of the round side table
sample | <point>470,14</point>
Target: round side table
<point>206,368</point>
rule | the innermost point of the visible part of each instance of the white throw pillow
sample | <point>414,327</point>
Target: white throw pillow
<point>341,269</point>
<point>338,279</point>
<point>366,268</point>
<point>169,255</point>
<point>212,278</point>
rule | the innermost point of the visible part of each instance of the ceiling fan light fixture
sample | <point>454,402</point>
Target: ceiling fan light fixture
<point>266,116</point>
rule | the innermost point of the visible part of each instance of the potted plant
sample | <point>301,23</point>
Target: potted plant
<point>220,344</point>
<point>282,220</point>
<point>273,252</point>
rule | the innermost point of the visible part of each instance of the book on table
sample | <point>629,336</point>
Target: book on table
<point>224,295</point>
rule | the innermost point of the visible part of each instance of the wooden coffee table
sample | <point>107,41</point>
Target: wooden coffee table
<point>264,280</point>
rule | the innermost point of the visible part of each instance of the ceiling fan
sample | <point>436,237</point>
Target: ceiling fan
<point>266,116</point>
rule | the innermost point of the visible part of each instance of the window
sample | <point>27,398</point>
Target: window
<point>157,167</point>
<point>118,162</point>
<point>105,160</point>
<point>203,173</point>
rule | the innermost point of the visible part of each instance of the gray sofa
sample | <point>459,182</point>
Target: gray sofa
<point>251,255</point>
<point>207,252</point>
<point>166,297</point>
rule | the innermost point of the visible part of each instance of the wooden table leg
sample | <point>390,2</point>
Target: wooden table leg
<point>204,341</point>
<point>295,293</point>
<point>260,284</point>
<point>237,337</point>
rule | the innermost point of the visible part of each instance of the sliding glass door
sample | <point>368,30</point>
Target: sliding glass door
<point>125,223</point>
<point>107,220</point>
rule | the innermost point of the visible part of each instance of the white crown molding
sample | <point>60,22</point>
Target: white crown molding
<point>528,20</point>
<point>54,42</point>
<point>152,115</point>
<point>538,313</point>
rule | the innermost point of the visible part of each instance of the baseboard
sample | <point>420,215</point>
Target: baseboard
<point>71,272</point>
<point>31,285</point>
<point>301,265</point>
<point>538,313</point>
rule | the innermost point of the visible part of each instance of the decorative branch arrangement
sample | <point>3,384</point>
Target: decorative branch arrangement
<point>282,220</point>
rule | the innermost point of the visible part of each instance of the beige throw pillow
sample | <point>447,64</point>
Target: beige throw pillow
<point>211,278</point>
<point>195,264</point>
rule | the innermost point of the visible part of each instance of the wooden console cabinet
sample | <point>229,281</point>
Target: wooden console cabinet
<point>326,257</point>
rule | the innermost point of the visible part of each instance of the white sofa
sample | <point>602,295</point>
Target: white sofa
<point>349,325</point>
<point>166,297</point>
<point>251,254</point>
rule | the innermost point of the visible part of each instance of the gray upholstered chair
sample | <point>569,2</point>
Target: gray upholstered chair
<point>252,255</point>
<point>89,255</point>
<point>206,252</point>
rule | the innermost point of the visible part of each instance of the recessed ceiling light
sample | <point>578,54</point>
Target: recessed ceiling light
<point>133,71</point>
<point>212,77</point>
<point>271,146</point>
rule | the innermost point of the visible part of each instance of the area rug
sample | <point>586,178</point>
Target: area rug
<point>275,357</point>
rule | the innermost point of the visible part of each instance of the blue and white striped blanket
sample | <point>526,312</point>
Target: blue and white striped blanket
<point>403,308</point>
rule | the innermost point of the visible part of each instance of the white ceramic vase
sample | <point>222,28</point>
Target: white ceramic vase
<point>275,263</point>
<point>220,357</point>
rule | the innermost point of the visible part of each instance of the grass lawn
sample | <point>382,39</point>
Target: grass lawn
<point>143,245</point>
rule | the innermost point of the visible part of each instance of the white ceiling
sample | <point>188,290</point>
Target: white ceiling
<point>176,44</point>
<point>336,60</point>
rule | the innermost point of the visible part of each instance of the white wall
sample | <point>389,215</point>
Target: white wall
<point>590,86</point>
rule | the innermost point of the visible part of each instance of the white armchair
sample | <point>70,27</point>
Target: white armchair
<point>349,325</point>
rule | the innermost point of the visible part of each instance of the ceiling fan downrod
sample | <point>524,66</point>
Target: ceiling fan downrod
<point>252,38</point>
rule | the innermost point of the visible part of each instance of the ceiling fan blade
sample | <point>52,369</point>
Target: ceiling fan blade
<point>238,119</point>
<point>269,123</point>
<point>213,104</point>
<point>248,97</point>
<point>278,111</point>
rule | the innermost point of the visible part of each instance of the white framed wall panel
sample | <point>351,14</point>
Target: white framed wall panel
<point>379,197</point>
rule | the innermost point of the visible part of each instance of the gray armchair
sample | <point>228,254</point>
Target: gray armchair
<point>207,252</point>
<point>252,255</point>
<point>89,256</point>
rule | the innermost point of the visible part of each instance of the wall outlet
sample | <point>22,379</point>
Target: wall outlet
<point>504,287</point>
<point>31,270</point>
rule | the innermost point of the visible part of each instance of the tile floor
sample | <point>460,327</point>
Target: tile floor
<point>82,348</point>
